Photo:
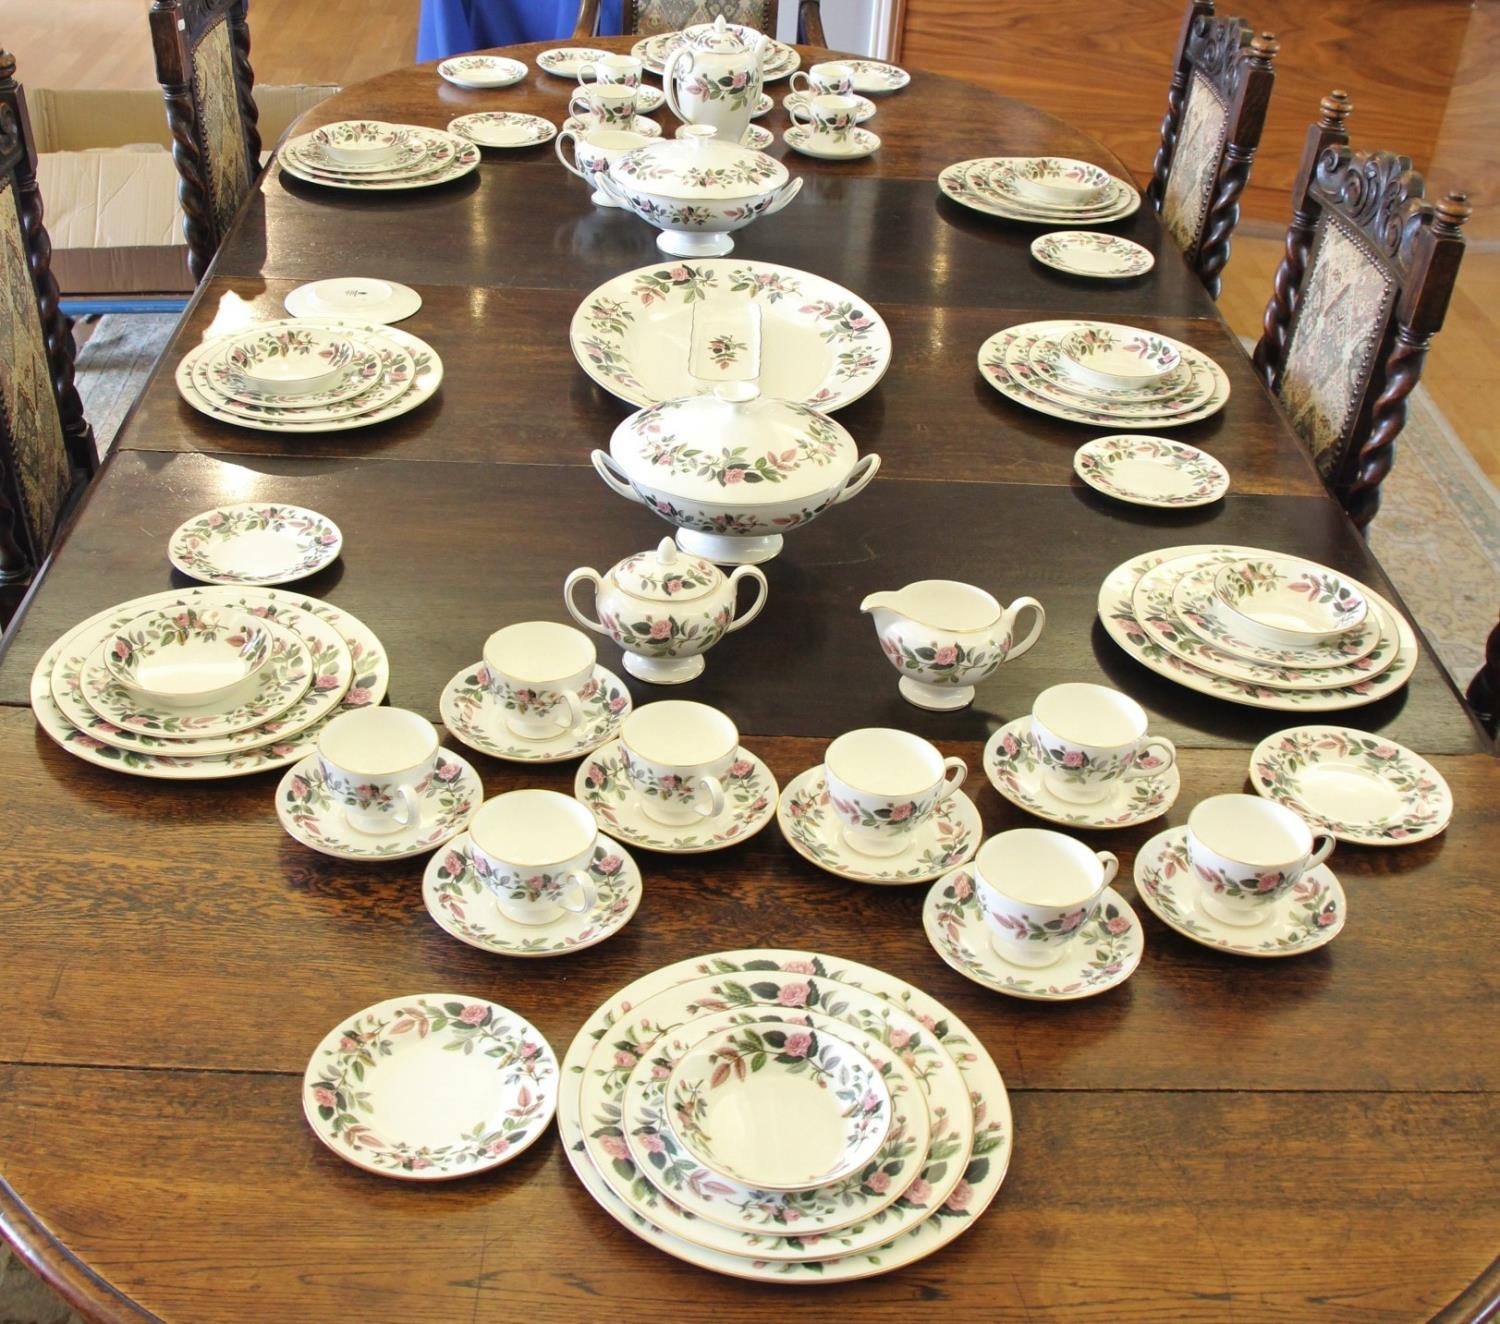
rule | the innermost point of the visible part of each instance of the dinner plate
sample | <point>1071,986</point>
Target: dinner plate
<point>954,182</point>
<point>1151,471</point>
<point>1203,385</point>
<point>1000,179</point>
<point>431,1086</point>
<point>817,342</point>
<point>254,542</point>
<point>463,159</point>
<point>482,71</point>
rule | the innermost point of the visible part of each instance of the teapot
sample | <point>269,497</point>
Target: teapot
<point>944,637</point>
<point>665,608</point>
<point>714,76</point>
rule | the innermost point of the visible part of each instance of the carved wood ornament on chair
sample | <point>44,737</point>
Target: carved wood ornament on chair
<point>1362,288</point>
<point>47,452</point>
<point>1216,109</point>
<point>203,65</point>
<point>648,17</point>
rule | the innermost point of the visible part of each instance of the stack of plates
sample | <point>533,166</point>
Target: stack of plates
<point>781,60</point>
<point>1037,188</point>
<point>309,375</point>
<point>631,1124</point>
<point>322,662</point>
<point>1170,610</point>
<point>1104,374</point>
<point>371,155</point>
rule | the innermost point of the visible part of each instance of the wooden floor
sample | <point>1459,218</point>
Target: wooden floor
<point>344,41</point>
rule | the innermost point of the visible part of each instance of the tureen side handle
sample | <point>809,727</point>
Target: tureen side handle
<point>669,84</point>
<point>1007,623</point>
<point>859,478</point>
<point>788,192</point>
<point>584,574</point>
<point>748,615</point>
<point>613,476</point>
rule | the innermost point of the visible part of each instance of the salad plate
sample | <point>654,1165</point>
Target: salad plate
<point>813,341</point>
<point>313,815</point>
<point>566,61</point>
<point>464,908</point>
<point>430,1087</point>
<point>364,297</point>
<point>442,163</point>
<point>950,837</point>
<point>1362,788</point>
<point>1010,764</point>
<point>1091,254</point>
<point>482,71</point>
<point>860,143</point>
<point>873,78</point>
<point>503,128</point>
<point>975,192</point>
<point>1103,956</point>
<point>749,804</point>
<point>254,542</point>
<point>475,717</point>
<point>1151,471</point>
<point>1311,914</point>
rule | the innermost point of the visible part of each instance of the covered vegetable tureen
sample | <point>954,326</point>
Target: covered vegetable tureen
<point>696,189</point>
<point>734,470</point>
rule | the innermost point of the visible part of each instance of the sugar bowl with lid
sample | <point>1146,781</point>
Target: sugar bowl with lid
<point>665,608</point>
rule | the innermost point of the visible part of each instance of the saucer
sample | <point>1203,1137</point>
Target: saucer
<point>482,71</point>
<point>566,61</point>
<point>308,813</point>
<point>474,717</point>
<point>1010,764</point>
<point>641,125</point>
<point>798,101</point>
<point>1103,955</point>
<point>861,143</point>
<point>382,301</point>
<point>255,543</point>
<point>757,138</point>
<point>463,907</point>
<point>950,837</point>
<point>1092,254</point>
<point>749,802</point>
<point>1311,914</point>
<point>503,128</point>
<point>649,99</point>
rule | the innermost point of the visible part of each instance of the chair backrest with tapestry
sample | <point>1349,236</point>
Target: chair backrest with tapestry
<point>1216,108</point>
<point>203,66</point>
<point>47,450</point>
<point>648,17</point>
<point>1362,288</point>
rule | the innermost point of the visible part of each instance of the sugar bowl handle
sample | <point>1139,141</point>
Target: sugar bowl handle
<point>584,574</point>
<point>753,610</point>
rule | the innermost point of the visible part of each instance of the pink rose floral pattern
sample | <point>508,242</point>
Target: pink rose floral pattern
<point>605,787</point>
<point>312,800</point>
<point>473,713</point>
<point>198,547</point>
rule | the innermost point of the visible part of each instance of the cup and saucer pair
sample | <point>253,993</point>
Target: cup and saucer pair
<point>475,716</point>
<point>750,793</point>
<point>852,146</point>
<point>463,907</point>
<point>1103,956</point>
<point>1011,764</point>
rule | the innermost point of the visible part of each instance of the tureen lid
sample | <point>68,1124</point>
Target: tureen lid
<point>667,574</point>
<point>734,447</point>
<point>698,165</point>
<point>721,36</point>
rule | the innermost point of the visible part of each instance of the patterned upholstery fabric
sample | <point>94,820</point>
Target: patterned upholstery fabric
<point>1345,303</point>
<point>648,17</point>
<point>220,129</point>
<point>1195,164</point>
<point>37,450</point>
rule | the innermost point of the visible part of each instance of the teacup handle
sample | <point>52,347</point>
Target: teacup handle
<point>411,808</point>
<point>959,770</point>
<point>584,574</point>
<point>806,83</point>
<point>1014,610</point>
<point>575,710</point>
<point>584,68</point>
<point>1167,754</point>
<point>586,894</point>
<point>1111,863</point>
<point>750,613</point>
<point>800,113</point>
<point>614,477</point>
<point>557,146</point>
<point>715,791</point>
<point>1323,845</point>
<point>573,108</point>
<point>859,478</point>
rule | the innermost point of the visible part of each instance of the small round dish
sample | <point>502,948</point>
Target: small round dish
<point>566,61</point>
<point>875,78</point>
<point>482,71</point>
<point>778,1109</point>
<point>1289,602</point>
<point>255,543</point>
<point>430,1087</point>
<point>503,128</point>
<point>188,658</point>
<point>1364,789</point>
<point>1151,471</point>
<point>379,301</point>
<point>1060,181</point>
<point>860,143</point>
<point>1105,355</point>
<point>1092,254</point>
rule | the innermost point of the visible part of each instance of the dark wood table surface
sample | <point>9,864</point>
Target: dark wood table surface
<point>1216,1139</point>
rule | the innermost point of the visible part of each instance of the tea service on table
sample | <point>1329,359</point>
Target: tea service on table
<point>826,126</point>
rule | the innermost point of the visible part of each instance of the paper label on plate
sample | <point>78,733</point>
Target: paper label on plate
<point>725,344</point>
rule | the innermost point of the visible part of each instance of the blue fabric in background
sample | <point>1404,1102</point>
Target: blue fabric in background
<point>451,27</point>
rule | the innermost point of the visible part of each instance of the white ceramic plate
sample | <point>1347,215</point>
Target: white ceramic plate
<point>362,297</point>
<point>1025,360</point>
<point>873,78</point>
<point>482,71</point>
<point>1091,254</point>
<point>386,371</point>
<point>566,61</point>
<point>255,542</point>
<point>820,344</point>
<point>1151,471</point>
<point>580,124</point>
<point>464,158</point>
<point>503,128</point>
<point>653,52</point>
<point>1122,201</point>
<point>861,143</point>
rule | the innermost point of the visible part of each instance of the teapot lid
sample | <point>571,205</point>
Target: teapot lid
<point>701,166</point>
<point>667,574</point>
<point>722,36</point>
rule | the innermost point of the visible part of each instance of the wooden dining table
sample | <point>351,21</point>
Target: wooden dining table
<point>1217,1138</point>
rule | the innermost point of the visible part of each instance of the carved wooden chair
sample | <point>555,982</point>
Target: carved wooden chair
<point>648,17</point>
<point>47,453</point>
<point>1484,690</point>
<point>203,66</point>
<point>1216,108</point>
<point>1361,290</point>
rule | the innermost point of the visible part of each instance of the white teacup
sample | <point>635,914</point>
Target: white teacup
<point>1088,738</point>
<point>676,754</point>
<point>536,670</point>
<point>374,762</point>
<point>1037,890</point>
<point>605,105</point>
<point>595,150</point>
<point>831,118</point>
<point>621,70</point>
<point>830,79</point>
<point>532,850</point>
<point>884,783</point>
<point>1247,852</point>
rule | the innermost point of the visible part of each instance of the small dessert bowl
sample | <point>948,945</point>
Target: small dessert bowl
<point>188,657</point>
<point>1288,602</point>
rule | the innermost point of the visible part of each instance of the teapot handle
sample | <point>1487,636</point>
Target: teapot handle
<point>557,146</point>
<point>1014,610</point>
<point>745,617</point>
<point>859,478</point>
<point>614,477</point>
<point>669,83</point>
<point>584,574</point>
